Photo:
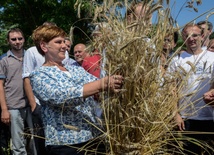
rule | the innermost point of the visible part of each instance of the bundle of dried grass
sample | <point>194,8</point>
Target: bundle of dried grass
<point>140,119</point>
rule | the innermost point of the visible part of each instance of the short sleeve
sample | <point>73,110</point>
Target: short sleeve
<point>2,68</point>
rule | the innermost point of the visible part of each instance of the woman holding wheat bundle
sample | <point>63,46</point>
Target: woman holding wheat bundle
<point>66,96</point>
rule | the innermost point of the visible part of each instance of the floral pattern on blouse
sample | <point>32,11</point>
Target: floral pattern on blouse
<point>60,95</point>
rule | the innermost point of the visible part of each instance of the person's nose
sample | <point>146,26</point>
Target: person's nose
<point>191,38</point>
<point>76,54</point>
<point>18,41</point>
<point>64,46</point>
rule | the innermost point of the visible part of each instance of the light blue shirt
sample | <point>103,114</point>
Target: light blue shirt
<point>32,60</point>
<point>61,96</point>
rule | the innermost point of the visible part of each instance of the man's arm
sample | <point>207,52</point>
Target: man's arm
<point>5,115</point>
<point>29,93</point>
<point>180,122</point>
<point>32,59</point>
<point>178,119</point>
<point>172,73</point>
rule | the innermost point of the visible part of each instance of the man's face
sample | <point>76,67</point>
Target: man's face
<point>169,43</point>
<point>193,37</point>
<point>16,41</point>
<point>211,46</point>
<point>79,53</point>
<point>206,31</point>
<point>140,12</point>
<point>68,45</point>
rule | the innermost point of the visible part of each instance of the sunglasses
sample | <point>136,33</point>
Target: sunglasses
<point>14,39</point>
<point>167,40</point>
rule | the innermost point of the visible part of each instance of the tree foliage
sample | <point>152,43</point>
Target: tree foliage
<point>28,14</point>
<point>75,14</point>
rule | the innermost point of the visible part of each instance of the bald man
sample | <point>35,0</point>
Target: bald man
<point>80,53</point>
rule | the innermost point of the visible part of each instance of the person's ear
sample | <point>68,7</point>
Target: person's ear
<point>43,46</point>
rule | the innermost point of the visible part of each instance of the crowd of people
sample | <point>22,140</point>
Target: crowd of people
<point>52,95</point>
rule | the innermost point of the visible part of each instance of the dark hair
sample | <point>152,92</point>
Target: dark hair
<point>176,37</point>
<point>209,24</point>
<point>173,34</point>
<point>14,30</point>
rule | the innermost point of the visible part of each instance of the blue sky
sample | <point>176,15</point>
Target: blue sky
<point>187,14</point>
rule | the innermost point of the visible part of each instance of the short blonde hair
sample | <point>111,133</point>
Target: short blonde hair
<point>46,33</point>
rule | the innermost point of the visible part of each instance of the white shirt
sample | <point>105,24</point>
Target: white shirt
<point>196,72</point>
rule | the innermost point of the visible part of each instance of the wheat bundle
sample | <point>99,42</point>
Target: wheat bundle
<point>140,119</point>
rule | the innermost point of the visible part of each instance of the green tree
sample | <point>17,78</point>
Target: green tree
<point>212,35</point>
<point>28,14</point>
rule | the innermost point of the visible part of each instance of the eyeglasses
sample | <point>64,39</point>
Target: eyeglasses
<point>193,35</point>
<point>14,39</point>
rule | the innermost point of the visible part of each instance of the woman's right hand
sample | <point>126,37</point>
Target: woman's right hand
<point>115,83</point>
<point>109,83</point>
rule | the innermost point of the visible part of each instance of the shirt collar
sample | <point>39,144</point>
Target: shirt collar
<point>10,53</point>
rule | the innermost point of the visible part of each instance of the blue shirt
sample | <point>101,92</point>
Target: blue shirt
<point>60,95</point>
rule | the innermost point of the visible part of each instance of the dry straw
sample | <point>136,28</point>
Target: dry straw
<point>140,119</point>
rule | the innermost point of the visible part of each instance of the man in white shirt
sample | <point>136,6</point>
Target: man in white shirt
<point>195,66</point>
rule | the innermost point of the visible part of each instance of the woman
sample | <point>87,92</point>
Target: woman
<point>66,95</point>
